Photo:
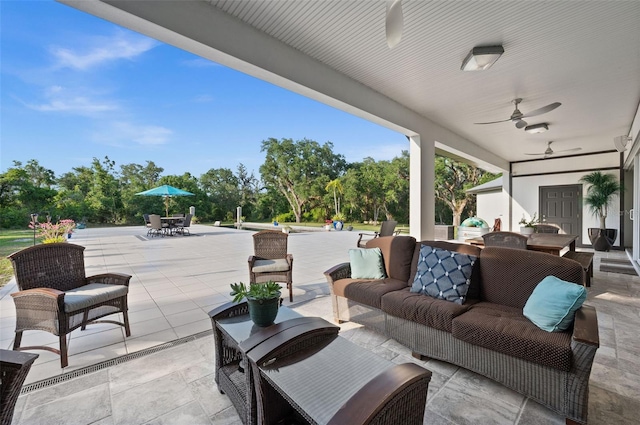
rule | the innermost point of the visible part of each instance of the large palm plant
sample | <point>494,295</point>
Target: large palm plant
<point>600,193</point>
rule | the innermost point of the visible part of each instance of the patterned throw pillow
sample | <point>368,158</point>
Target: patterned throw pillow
<point>443,274</point>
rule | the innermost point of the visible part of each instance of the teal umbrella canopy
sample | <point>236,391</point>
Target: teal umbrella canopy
<point>166,191</point>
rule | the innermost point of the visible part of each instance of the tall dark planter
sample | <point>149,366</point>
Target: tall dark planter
<point>602,239</point>
<point>263,312</point>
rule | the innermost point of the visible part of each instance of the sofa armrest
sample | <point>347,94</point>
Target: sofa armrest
<point>341,271</point>
<point>110,279</point>
<point>585,326</point>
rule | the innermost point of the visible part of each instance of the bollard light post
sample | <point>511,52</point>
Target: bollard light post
<point>34,221</point>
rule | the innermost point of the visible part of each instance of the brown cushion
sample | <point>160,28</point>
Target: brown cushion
<point>506,330</point>
<point>397,253</point>
<point>509,276</point>
<point>367,292</point>
<point>423,309</point>
<point>474,286</point>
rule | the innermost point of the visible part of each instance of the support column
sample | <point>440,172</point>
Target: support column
<point>421,187</point>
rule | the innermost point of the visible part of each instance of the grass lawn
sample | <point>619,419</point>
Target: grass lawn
<point>11,241</point>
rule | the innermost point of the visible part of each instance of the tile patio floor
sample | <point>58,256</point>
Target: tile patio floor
<point>176,281</point>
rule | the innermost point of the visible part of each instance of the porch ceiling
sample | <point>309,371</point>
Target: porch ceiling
<point>584,54</point>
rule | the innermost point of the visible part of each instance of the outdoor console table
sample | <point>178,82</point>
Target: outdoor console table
<point>333,381</point>
<point>544,242</point>
<point>234,335</point>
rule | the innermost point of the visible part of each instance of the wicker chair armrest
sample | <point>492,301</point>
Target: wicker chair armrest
<point>585,326</point>
<point>252,259</point>
<point>289,258</point>
<point>47,299</point>
<point>228,310</point>
<point>341,271</point>
<point>388,387</point>
<point>110,278</point>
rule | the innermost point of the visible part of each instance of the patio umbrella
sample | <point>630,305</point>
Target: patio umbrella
<point>167,192</point>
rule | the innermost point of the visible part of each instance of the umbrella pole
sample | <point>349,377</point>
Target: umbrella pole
<point>166,206</point>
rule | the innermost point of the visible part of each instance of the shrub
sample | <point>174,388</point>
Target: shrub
<point>287,217</point>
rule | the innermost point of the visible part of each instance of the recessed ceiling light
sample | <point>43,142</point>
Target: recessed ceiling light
<point>481,58</point>
<point>537,128</point>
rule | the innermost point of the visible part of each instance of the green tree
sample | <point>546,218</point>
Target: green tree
<point>104,197</point>
<point>452,180</point>
<point>336,186</point>
<point>300,170</point>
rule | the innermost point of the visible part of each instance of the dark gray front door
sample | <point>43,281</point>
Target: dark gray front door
<point>561,205</point>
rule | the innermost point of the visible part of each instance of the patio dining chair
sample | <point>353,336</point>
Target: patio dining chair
<point>271,260</point>
<point>147,223</point>
<point>545,228</point>
<point>387,228</point>
<point>183,225</point>
<point>56,296</point>
<point>157,228</point>
<point>505,240</point>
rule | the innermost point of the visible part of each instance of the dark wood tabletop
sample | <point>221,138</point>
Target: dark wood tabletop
<point>550,243</point>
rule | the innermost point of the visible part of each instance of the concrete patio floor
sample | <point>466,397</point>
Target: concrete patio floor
<point>176,281</point>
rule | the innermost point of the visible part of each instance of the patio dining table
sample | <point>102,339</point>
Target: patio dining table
<point>550,243</point>
<point>171,223</point>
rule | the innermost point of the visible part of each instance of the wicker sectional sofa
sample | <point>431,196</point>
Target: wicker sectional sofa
<point>488,333</point>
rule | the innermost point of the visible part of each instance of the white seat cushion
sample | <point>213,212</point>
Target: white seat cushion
<point>93,293</point>
<point>267,266</point>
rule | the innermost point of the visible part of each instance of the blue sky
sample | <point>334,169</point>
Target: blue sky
<point>74,87</point>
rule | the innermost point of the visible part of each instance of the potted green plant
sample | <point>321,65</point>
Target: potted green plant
<point>600,192</point>
<point>527,226</point>
<point>263,300</point>
<point>338,221</point>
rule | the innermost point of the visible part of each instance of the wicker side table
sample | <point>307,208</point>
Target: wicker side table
<point>234,334</point>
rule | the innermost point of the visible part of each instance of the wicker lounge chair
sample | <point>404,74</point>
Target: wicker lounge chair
<point>505,240</point>
<point>56,296</point>
<point>387,228</point>
<point>14,367</point>
<point>271,260</point>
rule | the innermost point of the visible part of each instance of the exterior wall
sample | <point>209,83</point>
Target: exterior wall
<point>492,205</point>
<point>526,184</point>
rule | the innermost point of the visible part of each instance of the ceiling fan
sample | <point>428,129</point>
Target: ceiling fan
<point>549,152</point>
<point>394,22</point>
<point>518,117</point>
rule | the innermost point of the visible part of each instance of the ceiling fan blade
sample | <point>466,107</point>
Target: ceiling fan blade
<point>394,22</point>
<point>536,154</point>
<point>521,124</point>
<point>542,110</point>
<point>492,122</point>
<point>568,150</point>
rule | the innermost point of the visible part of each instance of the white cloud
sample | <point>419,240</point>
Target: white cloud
<point>59,99</point>
<point>199,63</point>
<point>100,50</point>
<point>203,98</point>
<point>144,135</point>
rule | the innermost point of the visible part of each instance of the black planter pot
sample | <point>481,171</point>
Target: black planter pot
<point>602,239</point>
<point>263,312</point>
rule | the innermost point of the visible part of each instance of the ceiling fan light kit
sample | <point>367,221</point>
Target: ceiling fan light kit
<point>481,58</point>
<point>536,128</point>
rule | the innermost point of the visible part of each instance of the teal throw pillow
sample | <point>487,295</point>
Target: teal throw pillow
<point>443,274</point>
<point>553,303</point>
<point>366,263</point>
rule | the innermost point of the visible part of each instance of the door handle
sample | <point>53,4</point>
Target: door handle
<point>632,214</point>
